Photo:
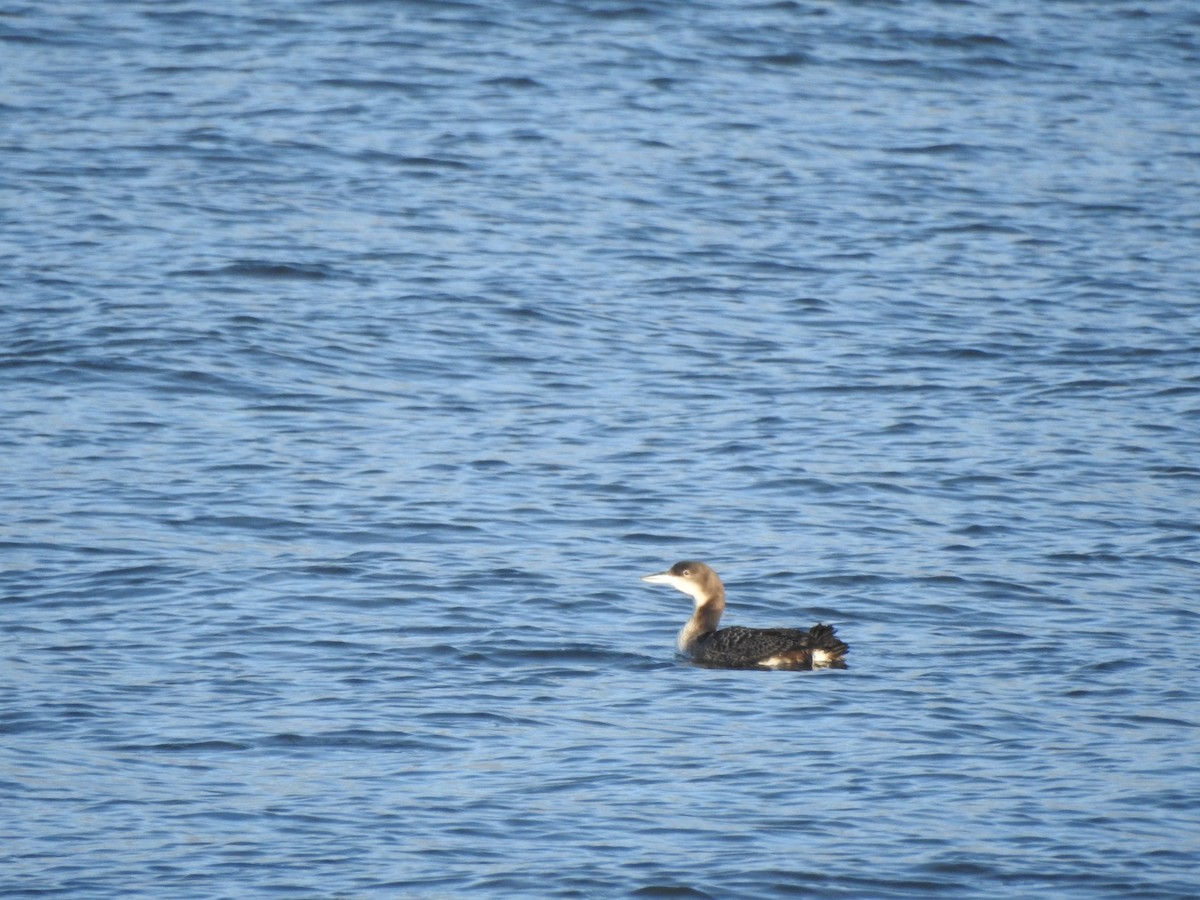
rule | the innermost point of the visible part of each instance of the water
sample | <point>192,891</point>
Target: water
<point>359,356</point>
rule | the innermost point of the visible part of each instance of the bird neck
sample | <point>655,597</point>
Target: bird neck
<point>705,618</point>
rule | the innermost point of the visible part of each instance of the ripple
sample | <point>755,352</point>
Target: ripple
<point>361,356</point>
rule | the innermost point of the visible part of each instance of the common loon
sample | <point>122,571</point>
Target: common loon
<point>743,648</point>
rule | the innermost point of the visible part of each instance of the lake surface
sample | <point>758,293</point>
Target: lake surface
<point>359,356</point>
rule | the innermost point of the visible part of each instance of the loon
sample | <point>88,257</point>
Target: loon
<point>738,647</point>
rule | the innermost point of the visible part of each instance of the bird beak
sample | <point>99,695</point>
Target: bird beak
<point>658,578</point>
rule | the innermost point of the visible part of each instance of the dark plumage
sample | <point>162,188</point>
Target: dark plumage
<point>738,647</point>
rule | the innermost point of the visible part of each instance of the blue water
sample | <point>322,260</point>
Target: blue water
<point>358,356</point>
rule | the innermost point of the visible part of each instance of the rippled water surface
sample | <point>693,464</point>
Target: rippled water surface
<point>358,356</point>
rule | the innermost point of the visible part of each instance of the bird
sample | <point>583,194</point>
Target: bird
<point>738,647</point>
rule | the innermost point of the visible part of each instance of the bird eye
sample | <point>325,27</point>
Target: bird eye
<point>687,572</point>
